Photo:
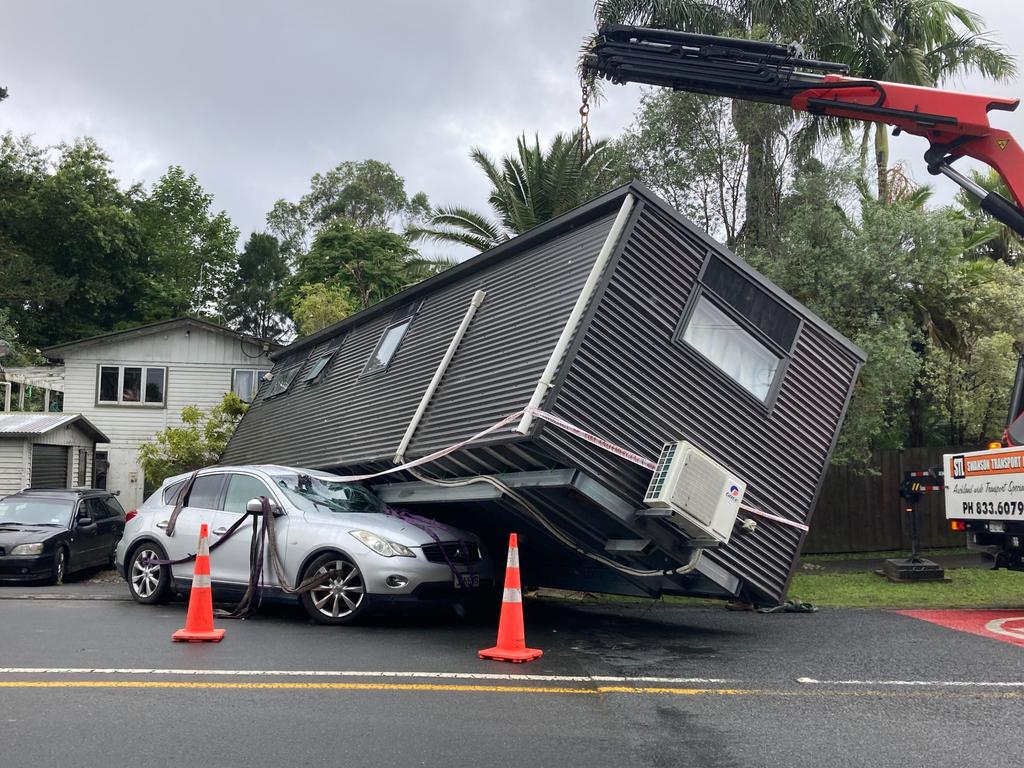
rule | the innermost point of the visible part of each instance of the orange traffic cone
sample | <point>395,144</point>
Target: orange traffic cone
<point>511,632</point>
<point>199,622</point>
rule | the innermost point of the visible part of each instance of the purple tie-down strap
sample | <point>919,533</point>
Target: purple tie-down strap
<point>430,526</point>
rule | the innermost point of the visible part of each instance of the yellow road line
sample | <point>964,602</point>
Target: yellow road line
<point>451,688</point>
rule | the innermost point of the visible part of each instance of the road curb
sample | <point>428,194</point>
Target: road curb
<point>69,596</point>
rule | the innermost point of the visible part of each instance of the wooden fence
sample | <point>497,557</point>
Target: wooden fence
<point>864,513</point>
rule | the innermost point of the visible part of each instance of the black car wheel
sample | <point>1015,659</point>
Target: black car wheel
<point>149,584</point>
<point>341,598</point>
<point>60,565</point>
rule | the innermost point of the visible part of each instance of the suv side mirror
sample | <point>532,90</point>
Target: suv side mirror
<point>85,522</point>
<point>255,506</point>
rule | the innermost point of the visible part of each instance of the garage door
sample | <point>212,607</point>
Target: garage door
<point>49,466</point>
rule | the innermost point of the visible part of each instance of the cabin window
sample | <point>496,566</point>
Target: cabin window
<point>316,372</point>
<point>131,385</point>
<point>752,302</point>
<point>732,348</point>
<point>387,347</point>
<point>245,382</point>
<point>740,327</point>
<point>281,381</point>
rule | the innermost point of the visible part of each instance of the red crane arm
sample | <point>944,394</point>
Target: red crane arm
<point>955,124</point>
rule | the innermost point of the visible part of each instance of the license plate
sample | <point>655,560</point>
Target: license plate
<point>468,580</point>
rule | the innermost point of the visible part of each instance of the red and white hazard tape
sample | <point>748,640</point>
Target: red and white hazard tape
<point>561,423</point>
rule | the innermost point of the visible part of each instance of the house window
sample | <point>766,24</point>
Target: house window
<point>245,382</point>
<point>387,347</point>
<point>740,327</point>
<point>282,381</point>
<point>132,385</point>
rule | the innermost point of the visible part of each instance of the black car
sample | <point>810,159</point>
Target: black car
<point>45,534</point>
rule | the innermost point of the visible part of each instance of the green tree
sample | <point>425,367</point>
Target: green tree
<point>371,264</point>
<point>367,194</point>
<point>72,240</point>
<point>20,354</point>
<point>189,250</point>
<point>527,188</point>
<point>320,305</point>
<point>198,442</point>
<point>697,165</point>
<point>250,302</point>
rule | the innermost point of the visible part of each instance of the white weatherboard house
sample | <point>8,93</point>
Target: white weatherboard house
<point>132,384</point>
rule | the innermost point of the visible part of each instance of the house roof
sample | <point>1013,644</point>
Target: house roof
<point>34,424</point>
<point>570,220</point>
<point>57,350</point>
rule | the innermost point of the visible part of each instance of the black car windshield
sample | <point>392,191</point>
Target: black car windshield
<point>36,511</point>
<point>311,493</point>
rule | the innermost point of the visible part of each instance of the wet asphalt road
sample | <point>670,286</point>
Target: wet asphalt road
<point>733,696</point>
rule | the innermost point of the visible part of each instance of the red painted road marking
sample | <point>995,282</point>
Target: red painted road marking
<point>1007,626</point>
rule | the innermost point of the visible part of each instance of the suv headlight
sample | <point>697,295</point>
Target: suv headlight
<point>382,546</point>
<point>28,549</point>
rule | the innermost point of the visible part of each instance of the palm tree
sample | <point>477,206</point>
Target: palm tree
<point>999,242</point>
<point>527,189</point>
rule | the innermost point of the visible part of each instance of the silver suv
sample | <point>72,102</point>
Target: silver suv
<point>366,552</point>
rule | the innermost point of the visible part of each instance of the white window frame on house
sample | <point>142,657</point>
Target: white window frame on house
<point>256,374</point>
<point>141,402</point>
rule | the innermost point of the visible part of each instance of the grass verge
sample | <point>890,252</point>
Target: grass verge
<point>967,588</point>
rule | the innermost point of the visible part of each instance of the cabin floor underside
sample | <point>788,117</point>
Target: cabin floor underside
<point>546,507</point>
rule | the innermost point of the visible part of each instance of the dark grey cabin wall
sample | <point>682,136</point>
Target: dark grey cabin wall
<point>631,383</point>
<point>352,421</point>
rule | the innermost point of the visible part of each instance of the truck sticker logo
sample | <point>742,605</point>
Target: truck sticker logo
<point>958,468</point>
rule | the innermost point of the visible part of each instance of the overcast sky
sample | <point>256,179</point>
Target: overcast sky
<point>255,97</point>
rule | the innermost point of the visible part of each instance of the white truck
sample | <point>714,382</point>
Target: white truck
<point>984,496</point>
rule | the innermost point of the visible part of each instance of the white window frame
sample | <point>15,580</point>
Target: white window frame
<point>141,403</point>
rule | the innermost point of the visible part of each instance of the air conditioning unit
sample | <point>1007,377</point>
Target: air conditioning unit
<point>704,495</point>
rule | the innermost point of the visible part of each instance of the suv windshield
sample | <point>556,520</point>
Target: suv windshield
<point>35,511</point>
<point>311,493</point>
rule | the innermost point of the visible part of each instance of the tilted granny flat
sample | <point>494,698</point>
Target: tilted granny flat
<point>622,318</point>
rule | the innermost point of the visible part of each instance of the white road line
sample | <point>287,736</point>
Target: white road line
<point>353,673</point>
<point>920,683</point>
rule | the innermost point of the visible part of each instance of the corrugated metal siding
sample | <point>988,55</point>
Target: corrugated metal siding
<point>348,420</point>
<point>631,383</point>
<point>15,460</point>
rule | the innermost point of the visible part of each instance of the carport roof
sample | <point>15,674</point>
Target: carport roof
<point>31,424</point>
